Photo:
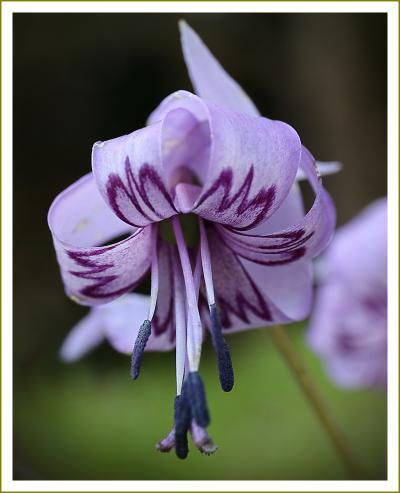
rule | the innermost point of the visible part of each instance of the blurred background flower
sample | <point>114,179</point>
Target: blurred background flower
<point>349,324</point>
<point>74,80</point>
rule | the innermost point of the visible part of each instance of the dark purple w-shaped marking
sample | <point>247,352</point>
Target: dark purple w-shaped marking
<point>96,290</point>
<point>261,202</point>
<point>287,251</point>
<point>135,189</point>
<point>259,307</point>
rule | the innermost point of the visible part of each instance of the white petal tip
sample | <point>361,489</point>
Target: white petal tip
<point>323,169</point>
<point>98,144</point>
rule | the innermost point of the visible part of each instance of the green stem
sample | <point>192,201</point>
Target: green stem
<point>306,384</point>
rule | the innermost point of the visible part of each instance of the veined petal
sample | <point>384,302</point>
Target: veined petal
<point>303,238</point>
<point>80,221</point>
<point>130,176</point>
<point>209,79</point>
<point>163,320</point>
<point>252,162</point>
<point>241,302</point>
<point>122,319</point>
<point>83,337</point>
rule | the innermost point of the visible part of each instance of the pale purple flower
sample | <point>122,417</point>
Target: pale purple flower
<point>349,324</point>
<point>212,156</point>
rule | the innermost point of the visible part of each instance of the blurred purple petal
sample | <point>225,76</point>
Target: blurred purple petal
<point>83,337</point>
<point>349,325</point>
<point>122,319</point>
<point>80,222</point>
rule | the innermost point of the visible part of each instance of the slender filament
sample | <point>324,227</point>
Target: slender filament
<point>154,272</point>
<point>180,325</point>
<point>195,334</point>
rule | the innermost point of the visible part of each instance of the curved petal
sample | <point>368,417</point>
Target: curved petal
<point>80,220</point>
<point>252,162</point>
<point>163,320</point>
<point>242,304</point>
<point>129,174</point>
<point>83,337</point>
<point>306,238</point>
<point>122,319</point>
<point>209,79</point>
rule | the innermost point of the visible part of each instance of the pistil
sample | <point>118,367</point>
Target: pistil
<point>195,331</point>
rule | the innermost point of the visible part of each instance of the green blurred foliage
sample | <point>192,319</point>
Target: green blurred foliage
<point>89,421</point>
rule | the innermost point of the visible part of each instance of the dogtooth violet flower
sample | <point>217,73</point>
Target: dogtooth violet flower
<point>348,328</point>
<point>211,160</point>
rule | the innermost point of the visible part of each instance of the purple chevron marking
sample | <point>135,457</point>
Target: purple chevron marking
<point>262,201</point>
<point>136,188</point>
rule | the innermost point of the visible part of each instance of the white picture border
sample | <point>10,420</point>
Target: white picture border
<point>8,8</point>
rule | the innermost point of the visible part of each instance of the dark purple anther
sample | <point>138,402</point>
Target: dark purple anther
<point>225,368</point>
<point>138,350</point>
<point>194,390</point>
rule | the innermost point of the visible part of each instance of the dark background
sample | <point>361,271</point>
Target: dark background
<point>79,78</point>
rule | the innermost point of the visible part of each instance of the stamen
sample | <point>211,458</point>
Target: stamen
<point>193,388</point>
<point>138,350</point>
<point>145,329</point>
<point>180,326</point>
<point>168,443</point>
<point>202,439</point>
<point>226,376</point>
<point>182,425</point>
<point>195,335</point>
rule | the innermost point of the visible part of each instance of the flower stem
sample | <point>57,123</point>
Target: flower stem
<point>293,360</point>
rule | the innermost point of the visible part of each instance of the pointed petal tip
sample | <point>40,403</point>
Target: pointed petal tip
<point>183,24</point>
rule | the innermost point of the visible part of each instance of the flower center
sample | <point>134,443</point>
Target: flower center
<point>190,229</point>
<point>189,262</point>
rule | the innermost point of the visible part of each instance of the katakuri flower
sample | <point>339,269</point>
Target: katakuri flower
<point>211,159</point>
<point>349,324</point>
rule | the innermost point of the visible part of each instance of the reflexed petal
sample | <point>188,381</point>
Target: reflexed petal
<point>163,320</point>
<point>240,301</point>
<point>300,238</point>
<point>252,162</point>
<point>83,337</point>
<point>122,319</point>
<point>80,220</point>
<point>289,286</point>
<point>208,77</point>
<point>130,176</point>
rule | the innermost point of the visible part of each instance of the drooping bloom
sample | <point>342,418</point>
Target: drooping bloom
<point>349,324</point>
<point>212,159</point>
